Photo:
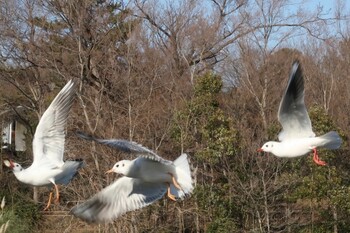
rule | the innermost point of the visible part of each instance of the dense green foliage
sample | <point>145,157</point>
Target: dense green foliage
<point>217,141</point>
<point>23,215</point>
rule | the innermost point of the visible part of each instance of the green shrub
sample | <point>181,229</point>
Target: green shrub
<point>20,215</point>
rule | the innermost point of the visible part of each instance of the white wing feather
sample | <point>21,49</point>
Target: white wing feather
<point>125,194</point>
<point>292,112</point>
<point>49,137</point>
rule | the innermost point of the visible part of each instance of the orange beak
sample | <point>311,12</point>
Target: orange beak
<point>109,171</point>
<point>260,150</point>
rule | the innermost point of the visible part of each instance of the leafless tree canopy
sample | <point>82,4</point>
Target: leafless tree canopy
<point>201,77</point>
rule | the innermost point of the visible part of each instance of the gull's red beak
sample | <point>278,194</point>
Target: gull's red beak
<point>9,163</point>
<point>260,150</point>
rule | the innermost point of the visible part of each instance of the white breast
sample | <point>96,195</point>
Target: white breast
<point>295,147</point>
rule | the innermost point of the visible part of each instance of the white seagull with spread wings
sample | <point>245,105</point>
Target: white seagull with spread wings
<point>146,179</point>
<point>297,137</point>
<point>48,167</point>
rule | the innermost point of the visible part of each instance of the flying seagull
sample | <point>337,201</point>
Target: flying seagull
<point>146,179</point>
<point>48,167</point>
<point>297,138</point>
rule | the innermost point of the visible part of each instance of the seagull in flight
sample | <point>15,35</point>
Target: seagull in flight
<point>146,179</point>
<point>48,167</point>
<point>297,137</point>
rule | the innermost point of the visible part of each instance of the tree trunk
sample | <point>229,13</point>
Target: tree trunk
<point>35,195</point>
<point>335,218</point>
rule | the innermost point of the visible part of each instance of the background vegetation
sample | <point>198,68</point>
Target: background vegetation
<point>201,77</point>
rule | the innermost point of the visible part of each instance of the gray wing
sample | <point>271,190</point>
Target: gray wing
<point>49,137</point>
<point>125,194</point>
<point>292,113</point>
<point>127,147</point>
<point>69,170</point>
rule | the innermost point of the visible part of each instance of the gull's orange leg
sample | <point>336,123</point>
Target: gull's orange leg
<point>171,196</point>
<point>317,159</point>
<point>57,199</point>
<point>49,202</point>
<point>175,182</point>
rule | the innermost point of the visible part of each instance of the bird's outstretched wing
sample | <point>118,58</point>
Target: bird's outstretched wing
<point>49,137</point>
<point>292,113</point>
<point>127,147</point>
<point>125,194</point>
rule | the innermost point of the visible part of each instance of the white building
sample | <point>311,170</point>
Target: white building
<point>13,134</point>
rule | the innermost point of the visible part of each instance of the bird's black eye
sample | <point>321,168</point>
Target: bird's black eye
<point>117,165</point>
<point>16,165</point>
<point>267,145</point>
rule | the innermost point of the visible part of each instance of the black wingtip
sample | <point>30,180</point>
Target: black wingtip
<point>296,73</point>
<point>296,68</point>
<point>84,135</point>
<point>88,211</point>
<point>296,62</point>
<point>81,163</point>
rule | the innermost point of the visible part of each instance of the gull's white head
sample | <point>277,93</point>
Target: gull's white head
<point>14,166</point>
<point>121,167</point>
<point>267,147</point>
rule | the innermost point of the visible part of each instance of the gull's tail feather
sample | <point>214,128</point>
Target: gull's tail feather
<point>183,176</point>
<point>70,169</point>
<point>332,140</point>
